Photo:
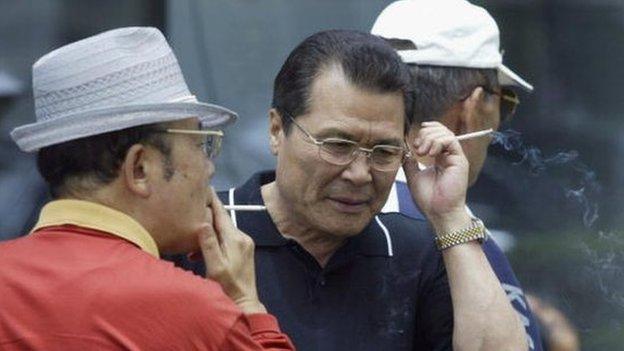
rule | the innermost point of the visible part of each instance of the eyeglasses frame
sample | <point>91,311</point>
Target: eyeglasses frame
<point>512,98</point>
<point>212,155</point>
<point>368,152</point>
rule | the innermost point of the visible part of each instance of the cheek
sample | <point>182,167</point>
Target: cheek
<point>493,119</point>
<point>195,179</point>
<point>299,168</point>
<point>383,184</point>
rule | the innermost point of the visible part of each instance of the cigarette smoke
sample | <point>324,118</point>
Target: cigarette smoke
<point>606,266</point>
<point>603,250</point>
<point>584,188</point>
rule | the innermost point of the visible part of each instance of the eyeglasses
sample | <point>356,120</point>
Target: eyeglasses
<point>341,152</point>
<point>508,102</point>
<point>211,145</point>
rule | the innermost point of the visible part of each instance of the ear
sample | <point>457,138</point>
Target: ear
<point>469,115</point>
<point>276,130</point>
<point>136,169</point>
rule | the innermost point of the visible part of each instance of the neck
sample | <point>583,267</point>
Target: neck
<point>115,196</point>
<point>292,225</point>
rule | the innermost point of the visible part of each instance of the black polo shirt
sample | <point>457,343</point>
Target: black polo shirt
<point>384,289</point>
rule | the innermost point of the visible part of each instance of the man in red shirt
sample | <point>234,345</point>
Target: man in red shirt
<point>126,151</point>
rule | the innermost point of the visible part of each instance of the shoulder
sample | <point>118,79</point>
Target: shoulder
<point>156,304</point>
<point>159,289</point>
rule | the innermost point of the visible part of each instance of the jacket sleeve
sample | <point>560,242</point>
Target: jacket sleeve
<point>264,331</point>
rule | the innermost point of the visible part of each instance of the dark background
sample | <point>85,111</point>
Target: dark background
<point>572,51</point>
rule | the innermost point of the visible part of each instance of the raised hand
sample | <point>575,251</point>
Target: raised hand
<point>229,258</point>
<point>440,189</point>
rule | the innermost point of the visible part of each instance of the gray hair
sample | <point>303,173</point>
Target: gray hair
<point>437,88</point>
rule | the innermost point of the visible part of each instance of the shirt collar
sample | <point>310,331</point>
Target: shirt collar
<point>91,215</point>
<point>258,225</point>
<point>374,240</point>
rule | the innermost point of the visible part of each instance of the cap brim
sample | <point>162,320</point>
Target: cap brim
<point>35,136</point>
<point>507,77</point>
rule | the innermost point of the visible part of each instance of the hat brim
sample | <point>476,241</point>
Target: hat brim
<point>32,137</point>
<point>507,77</point>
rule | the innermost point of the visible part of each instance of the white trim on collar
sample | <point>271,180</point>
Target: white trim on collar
<point>387,235</point>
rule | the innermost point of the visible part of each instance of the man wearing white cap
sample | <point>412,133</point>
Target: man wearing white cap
<point>126,151</point>
<point>452,49</point>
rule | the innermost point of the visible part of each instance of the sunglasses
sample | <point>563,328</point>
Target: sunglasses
<point>509,101</point>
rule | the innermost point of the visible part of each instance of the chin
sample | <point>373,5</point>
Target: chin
<point>188,245</point>
<point>344,227</point>
<point>349,224</point>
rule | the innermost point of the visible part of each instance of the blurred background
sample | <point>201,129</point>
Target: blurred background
<point>552,197</point>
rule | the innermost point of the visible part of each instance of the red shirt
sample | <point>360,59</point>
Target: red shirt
<point>70,287</point>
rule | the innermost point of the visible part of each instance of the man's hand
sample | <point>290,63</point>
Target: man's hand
<point>229,258</point>
<point>439,190</point>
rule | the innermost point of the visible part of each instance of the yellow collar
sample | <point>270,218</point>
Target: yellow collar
<point>99,217</point>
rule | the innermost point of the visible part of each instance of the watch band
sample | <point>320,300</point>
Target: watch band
<point>476,231</point>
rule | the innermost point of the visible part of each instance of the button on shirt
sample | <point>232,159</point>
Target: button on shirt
<point>384,289</point>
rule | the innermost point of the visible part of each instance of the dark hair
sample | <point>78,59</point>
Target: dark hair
<point>438,88</point>
<point>97,157</point>
<point>366,60</point>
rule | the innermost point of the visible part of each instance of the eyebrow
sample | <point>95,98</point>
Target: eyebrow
<point>341,134</point>
<point>334,133</point>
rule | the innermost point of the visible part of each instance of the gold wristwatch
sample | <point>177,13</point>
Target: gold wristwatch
<point>476,231</point>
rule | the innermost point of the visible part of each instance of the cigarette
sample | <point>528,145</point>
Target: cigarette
<point>475,134</point>
<point>245,207</point>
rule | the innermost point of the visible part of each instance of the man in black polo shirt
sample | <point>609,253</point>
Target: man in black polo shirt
<point>338,274</point>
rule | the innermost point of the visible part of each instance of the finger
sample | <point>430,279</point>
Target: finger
<point>210,247</point>
<point>424,146</point>
<point>441,144</point>
<point>431,123</point>
<point>428,131</point>
<point>434,134</point>
<point>222,221</point>
<point>429,140</point>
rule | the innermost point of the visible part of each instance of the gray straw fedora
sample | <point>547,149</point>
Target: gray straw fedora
<point>115,80</point>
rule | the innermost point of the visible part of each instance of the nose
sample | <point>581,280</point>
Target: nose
<point>358,172</point>
<point>210,170</point>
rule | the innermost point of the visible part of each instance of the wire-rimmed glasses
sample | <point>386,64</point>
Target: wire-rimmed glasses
<point>211,145</point>
<point>340,152</point>
<point>509,101</point>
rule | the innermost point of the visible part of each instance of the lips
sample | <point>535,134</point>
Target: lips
<point>350,200</point>
<point>349,204</point>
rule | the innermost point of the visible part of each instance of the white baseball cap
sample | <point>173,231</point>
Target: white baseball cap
<point>452,33</point>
